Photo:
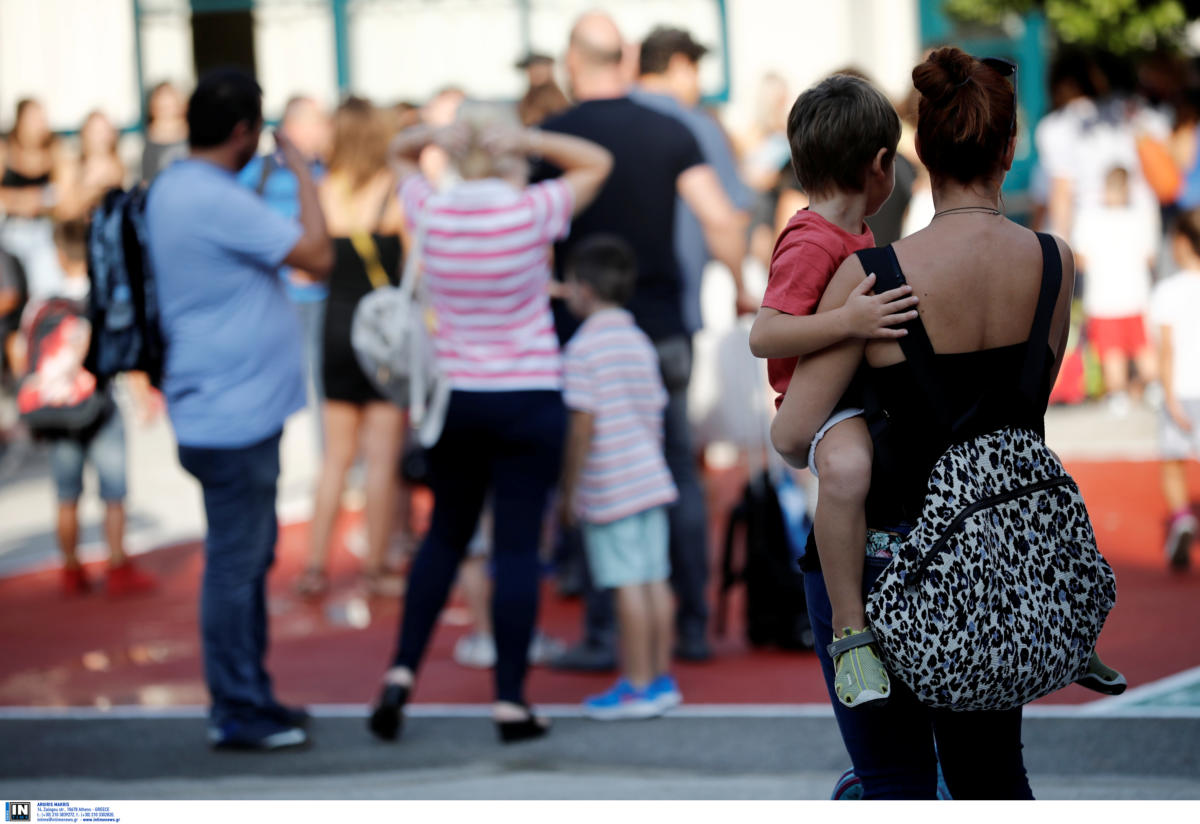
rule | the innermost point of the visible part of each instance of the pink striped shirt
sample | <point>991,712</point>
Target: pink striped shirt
<point>612,372</point>
<point>486,259</point>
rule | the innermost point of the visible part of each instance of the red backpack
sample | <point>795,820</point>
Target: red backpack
<point>57,393</point>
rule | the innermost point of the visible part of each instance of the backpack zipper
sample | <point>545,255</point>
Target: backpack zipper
<point>994,500</point>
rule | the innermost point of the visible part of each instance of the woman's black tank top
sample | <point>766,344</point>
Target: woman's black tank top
<point>979,391</point>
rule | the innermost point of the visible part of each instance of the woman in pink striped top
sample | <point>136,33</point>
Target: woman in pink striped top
<point>486,249</point>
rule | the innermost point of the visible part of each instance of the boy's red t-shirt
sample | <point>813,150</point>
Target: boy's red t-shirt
<point>807,253</point>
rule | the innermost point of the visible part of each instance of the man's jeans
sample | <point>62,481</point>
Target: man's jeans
<point>239,503</point>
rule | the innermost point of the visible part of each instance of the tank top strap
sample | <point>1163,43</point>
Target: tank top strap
<point>1034,368</point>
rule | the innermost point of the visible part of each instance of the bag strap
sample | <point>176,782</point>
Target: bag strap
<point>268,169</point>
<point>915,345</point>
<point>368,252</point>
<point>1034,368</point>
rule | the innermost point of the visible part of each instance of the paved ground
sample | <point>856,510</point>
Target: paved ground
<point>672,758</point>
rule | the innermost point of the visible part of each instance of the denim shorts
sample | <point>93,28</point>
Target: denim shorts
<point>630,550</point>
<point>103,446</point>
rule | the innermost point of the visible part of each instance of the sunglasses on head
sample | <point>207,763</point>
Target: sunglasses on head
<point>1008,69</point>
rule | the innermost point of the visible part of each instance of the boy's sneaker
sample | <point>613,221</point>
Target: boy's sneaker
<point>664,692</point>
<point>1179,539</point>
<point>127,579</point>
<point>623,701</point>
<point>258,734</point>
<point>860,679</point>
<point>1102,678</point>
<point>75,582</point>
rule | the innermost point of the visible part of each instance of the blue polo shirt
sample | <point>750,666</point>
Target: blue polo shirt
<point>281,191</point>
<point>233,372</point>
<point>690,246</point>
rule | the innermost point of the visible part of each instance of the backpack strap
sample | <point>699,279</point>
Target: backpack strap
<point>1034,368</point>
<point>916,345</point>
<point>268,169</point>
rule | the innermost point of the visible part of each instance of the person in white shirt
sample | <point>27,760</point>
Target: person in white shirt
<point>1174,308</point>
<point>1116,246</point>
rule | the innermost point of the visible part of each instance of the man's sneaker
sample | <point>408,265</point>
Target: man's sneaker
<point>477,651</point>
<point>623,701</point>
<point>289,716</point>
<point>859,676</point>
<point>1179,539</point>
<point>75,582</point>
<point>664,692</point>
<point>259,734</point>
<point>127,579</point>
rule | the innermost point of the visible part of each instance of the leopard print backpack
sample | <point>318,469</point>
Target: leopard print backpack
<point>998,594</point>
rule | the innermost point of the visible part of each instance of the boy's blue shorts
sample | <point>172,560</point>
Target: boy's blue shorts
<point>631,550</point>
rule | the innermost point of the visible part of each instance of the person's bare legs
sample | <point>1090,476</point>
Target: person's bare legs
<point>383,438</point>
<point>635,634</point>
<point>477,591</point>
<point>1115,367</point>
<point>658,597</point>
<point>68,533</point>
<point>1174,484</point>
<point>1146,361</point>
<point>114,532</point>
<point>341,443</point>
<point>843,459</point>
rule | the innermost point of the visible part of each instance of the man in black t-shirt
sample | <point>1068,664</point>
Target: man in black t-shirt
<point>655,158</point>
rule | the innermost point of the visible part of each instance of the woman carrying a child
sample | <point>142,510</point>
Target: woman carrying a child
<point>485,247</point>
<point>978,276</point>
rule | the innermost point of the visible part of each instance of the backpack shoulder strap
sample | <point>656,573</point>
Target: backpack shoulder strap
<point>1034,368</point>
<point>268,168</point>
<point>916,345</point>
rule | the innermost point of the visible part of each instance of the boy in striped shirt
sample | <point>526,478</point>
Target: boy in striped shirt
<point>615,478</point>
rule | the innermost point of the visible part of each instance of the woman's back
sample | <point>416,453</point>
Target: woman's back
<point>979,291</point>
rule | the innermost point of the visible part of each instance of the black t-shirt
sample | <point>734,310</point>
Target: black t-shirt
<point>650,150</point>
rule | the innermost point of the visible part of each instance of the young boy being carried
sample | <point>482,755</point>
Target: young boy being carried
<point>615,478</point>
<point>843,134</point>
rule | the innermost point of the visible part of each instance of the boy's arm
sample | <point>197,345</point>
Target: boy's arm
<point>1166,372</point>
<point>579,443</point>
<point>862,316</point>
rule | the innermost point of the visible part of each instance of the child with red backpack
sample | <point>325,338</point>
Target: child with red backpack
<point>63,403</point>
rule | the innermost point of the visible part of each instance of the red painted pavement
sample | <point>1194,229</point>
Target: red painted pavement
<point>92,651</point>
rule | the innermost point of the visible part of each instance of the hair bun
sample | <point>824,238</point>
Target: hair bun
<point>943,72</point>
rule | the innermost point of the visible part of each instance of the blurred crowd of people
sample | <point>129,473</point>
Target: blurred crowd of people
<point>627,151</point>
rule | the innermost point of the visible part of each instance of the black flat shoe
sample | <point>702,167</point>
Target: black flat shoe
<point>387,720</point>
<point>528,728</point>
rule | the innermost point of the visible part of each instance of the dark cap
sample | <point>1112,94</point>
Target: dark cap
<point>532,58</point>
<point>663,43</point>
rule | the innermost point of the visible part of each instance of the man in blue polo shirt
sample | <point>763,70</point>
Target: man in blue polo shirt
<point>233,375</point>
<point>307,126</point>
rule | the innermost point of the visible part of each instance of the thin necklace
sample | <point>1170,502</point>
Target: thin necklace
<point>984,210</point>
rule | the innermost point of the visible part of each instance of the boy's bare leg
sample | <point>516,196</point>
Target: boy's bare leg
<point>68,532</point>
<point>633,625</point>
<point>658,596</point>
<point>843,459</point>
<point>1174,483</point>
<point>114,532</point>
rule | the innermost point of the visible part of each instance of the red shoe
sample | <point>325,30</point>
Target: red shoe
<point>127,579</point>
<point>75,582</point>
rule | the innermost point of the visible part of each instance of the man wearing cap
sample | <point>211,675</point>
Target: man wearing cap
<point>543,98</point>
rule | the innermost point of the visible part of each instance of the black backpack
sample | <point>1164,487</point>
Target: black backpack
<point>123,303</point>
<point>776,608</point>
<point>58,394</point>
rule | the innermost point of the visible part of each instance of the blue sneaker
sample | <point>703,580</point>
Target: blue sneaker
<point>255,734</point>
<point>620,702</point>
<point>664,692</point>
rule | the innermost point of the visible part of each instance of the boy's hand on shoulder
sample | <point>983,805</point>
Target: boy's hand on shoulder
<point>874,317</point>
